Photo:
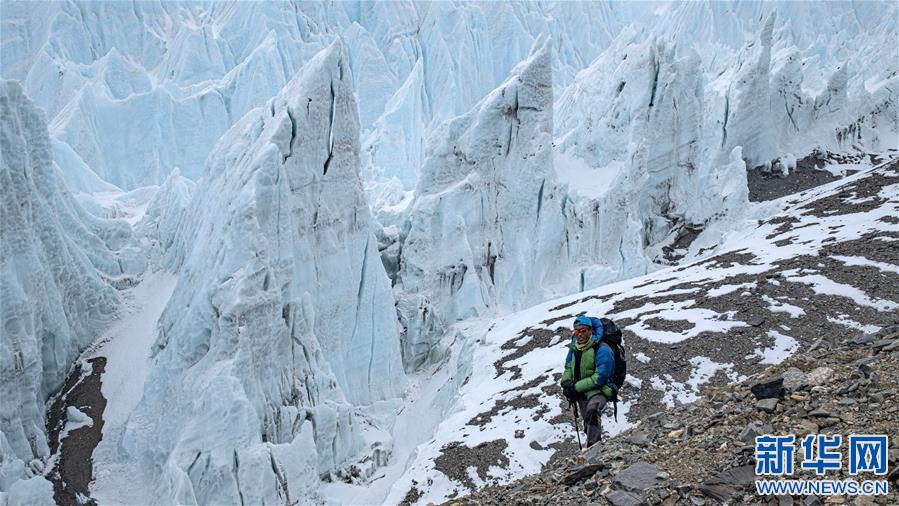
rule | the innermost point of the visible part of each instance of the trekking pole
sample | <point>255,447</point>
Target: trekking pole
<point>576,430</point>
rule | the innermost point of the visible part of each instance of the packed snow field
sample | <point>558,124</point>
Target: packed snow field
<point>264,252</point>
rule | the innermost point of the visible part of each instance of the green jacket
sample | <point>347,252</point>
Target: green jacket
<point>597,364</point>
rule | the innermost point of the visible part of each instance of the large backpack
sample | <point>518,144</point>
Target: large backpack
<point>611,335</point>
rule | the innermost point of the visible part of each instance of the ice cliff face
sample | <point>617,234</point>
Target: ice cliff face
<point>60,269</point>
<point>282,320</point>
<point>484,184</point>
<point>636,118</point>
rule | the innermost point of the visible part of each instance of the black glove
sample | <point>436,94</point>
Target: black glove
<point>569,390</point>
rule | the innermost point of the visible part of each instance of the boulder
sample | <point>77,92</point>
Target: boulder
<point>767,405</point>
<point>769,388</point>
<point>724,485</point>
<point>639,438</point>
<point>819,376</point>
<point>794,379</point>
<point>580,473</point>
<point>756,321</point>
<point>639,477</point>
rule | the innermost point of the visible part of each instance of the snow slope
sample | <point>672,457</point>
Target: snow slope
<point>684,327</point>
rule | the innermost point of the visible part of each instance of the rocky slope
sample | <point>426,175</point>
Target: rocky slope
<point>704,452</point>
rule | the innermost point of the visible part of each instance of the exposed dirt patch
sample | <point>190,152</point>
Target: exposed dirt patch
<point>557,319</point>
<point>769,186</point>
<point>526,401</point>
<point>675,251</point>
<point>540,338</point>
<point>74,469</point>
<point>867,246</point>
<point>455,459</point>
<point>668,325</point>
<point>653,282</point>
<point>725,260</point>
<point>856,197</point>
<point>412,495</point>
<point>585,299</point>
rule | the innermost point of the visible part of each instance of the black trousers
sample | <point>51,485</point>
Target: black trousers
<point>591,412</point>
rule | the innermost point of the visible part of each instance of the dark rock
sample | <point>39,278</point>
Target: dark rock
<point>756,321</point>
<point>883,343</point>
<point>580,473</point>
<point>724,485</point>
<point>723,493</point>
<point>894,476</point>
<point>639,477</point>
<point>622,498</point>
<point>737,476</point>
<point>768,388</point>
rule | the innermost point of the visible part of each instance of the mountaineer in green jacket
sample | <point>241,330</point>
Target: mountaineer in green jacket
<point>587,379</point>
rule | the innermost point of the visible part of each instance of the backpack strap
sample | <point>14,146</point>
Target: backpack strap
<point>577,365</point>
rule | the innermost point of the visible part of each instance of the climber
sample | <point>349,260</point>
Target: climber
<point>587,382</point>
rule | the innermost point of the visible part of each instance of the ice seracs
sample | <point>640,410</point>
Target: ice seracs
<point>282,321</point>
<point>485,183</point>
<point>60,267</point>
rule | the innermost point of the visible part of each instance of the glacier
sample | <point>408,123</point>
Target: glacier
<point>61,267</point>
<point>309,209</point>
<point>298,326</point>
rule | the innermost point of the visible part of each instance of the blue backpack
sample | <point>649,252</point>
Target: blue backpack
<point>605,330</point>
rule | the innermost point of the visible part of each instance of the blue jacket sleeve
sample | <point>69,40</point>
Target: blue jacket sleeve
<point>605,365</point>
